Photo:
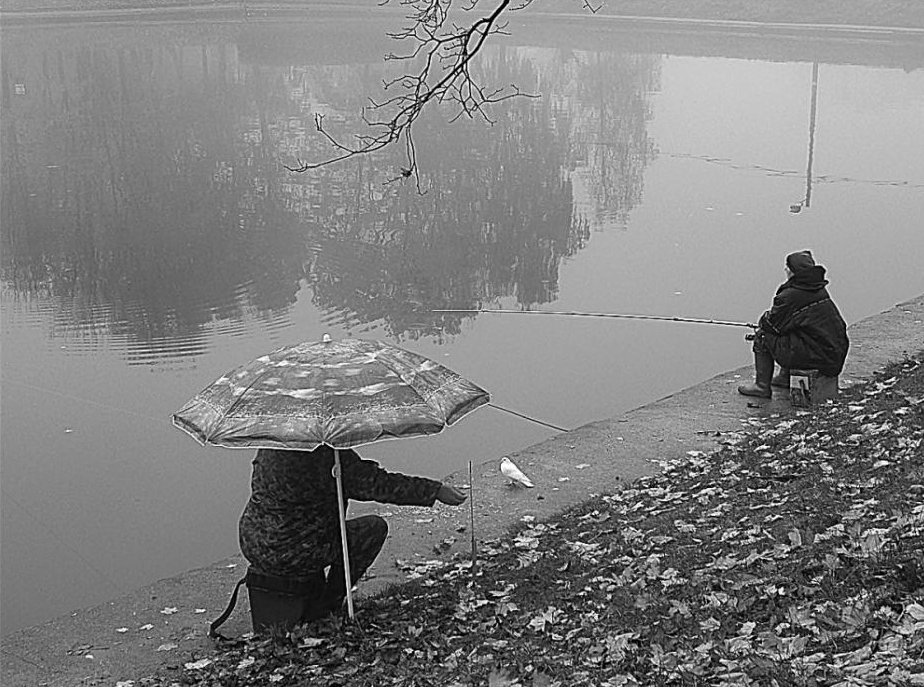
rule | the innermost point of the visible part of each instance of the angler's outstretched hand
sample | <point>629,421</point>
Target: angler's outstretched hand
<point>450,495</point>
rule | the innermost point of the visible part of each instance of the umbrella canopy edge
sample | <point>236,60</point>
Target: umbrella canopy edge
<point>265,442</point>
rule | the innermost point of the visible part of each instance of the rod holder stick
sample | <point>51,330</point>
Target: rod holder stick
<point>575,313</point>
<point>343,533</point>
<point>471,509</point>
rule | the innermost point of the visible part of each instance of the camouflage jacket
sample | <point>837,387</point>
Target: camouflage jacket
<point>291,526</point>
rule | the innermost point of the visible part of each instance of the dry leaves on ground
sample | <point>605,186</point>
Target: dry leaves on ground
<point>792,555</point>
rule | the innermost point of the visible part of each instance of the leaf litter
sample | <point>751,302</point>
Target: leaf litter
<point>791,555</point>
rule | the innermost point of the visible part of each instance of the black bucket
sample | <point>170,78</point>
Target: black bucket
<point>282,602</point>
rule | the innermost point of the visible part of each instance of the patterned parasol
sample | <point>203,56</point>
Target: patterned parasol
<point>341,393</point>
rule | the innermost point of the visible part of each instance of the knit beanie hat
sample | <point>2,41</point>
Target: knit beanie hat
<point>800,260</point>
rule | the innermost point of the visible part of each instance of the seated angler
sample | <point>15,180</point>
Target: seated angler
<point>803,329</point>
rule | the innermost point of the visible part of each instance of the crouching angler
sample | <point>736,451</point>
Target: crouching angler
<point>803,329</point>
<point>289,531</point>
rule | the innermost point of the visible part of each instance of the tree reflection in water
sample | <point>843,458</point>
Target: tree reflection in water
<point>612,135</point>
<point>127,200</point>
<point>144,191</point>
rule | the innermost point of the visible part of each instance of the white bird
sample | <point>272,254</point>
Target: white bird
<point>513,473</point>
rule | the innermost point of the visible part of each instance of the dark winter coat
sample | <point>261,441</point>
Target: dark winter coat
<point>804,329</point>
<point>291,524</point>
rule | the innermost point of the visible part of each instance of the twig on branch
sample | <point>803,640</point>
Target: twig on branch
<point>443,55</point>
<point>593,10</point>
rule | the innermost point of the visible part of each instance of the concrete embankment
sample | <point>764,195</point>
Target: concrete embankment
<point>165,624</point>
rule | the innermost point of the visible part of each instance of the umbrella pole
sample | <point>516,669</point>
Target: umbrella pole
<point>343,534</point>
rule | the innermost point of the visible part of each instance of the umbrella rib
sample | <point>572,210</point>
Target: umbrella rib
<point>440,388</point>
<point>384,363</point>
<point>234,404</point>
<point>433,393</point>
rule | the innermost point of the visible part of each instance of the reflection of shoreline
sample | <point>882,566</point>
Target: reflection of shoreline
<point>903,48</point>
<point>93,11</point>
<point>872,46</point>
<point>770,14</point>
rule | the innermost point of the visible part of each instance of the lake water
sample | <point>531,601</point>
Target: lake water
<point>152,240</point>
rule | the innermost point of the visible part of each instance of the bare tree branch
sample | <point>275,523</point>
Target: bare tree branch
<point>440,61</point>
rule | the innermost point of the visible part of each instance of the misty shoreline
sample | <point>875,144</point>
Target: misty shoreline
<point>868,13</point>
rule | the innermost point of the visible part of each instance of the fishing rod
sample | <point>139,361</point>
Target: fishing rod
<point>574,313</point>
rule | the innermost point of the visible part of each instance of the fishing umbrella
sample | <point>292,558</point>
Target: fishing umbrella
<point>342,393</point>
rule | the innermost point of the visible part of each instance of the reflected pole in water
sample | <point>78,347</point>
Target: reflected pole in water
<point>807,201</point>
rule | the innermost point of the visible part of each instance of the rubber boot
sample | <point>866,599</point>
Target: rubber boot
<point>763,372</point>
<point>782,379</point>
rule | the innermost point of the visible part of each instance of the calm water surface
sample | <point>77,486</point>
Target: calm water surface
<point>152,240</point>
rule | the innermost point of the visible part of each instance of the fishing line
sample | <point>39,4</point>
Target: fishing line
<point>25,510</point>
<point>63,543</point>
<point>26,660</point>
<point>527,417</point>
<point>72,397</point>
<point>771,171</point>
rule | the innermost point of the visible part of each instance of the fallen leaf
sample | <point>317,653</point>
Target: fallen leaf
<point>499,678</point>
<point>710,624</point>
<point>79,649</point>
<point>916,611</point>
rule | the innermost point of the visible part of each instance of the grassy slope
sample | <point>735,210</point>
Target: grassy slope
<point>790,556</point>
